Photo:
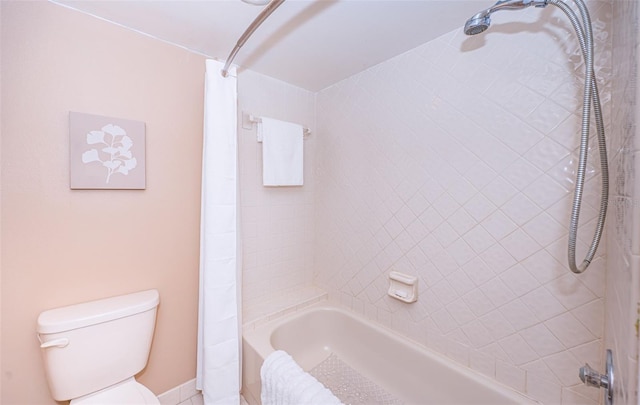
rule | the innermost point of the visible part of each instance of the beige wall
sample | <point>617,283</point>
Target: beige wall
<point>63,246</point>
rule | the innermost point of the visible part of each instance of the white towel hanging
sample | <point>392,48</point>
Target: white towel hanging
<point>282,153</point>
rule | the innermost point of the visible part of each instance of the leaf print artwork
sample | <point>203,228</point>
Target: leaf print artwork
<point>106,152</point>
<point>116,150</point>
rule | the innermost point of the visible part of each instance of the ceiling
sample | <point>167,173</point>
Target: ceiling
<point>308,43</point>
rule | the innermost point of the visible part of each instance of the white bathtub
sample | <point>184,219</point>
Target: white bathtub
<point>407,371</point>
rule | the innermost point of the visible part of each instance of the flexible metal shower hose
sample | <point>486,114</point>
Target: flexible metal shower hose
<point>585,37</point>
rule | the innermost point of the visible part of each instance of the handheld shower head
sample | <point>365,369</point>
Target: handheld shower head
<point>481,21</point>
<point>477,24</point>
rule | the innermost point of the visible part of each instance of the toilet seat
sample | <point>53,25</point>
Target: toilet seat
<point>128,392</point>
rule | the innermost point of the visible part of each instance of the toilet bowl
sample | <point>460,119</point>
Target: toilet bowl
<point>93,350</point>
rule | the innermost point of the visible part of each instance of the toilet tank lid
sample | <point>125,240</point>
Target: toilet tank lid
<point>94,312</point>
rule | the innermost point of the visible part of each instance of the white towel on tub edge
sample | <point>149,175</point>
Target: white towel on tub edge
<point>284,382</point>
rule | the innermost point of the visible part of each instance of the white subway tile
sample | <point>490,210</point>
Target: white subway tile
<point>518,280</point>
<point>511,375</point>
<point>569,330</point>
<point>544,391</point>
<point>520,245</point>
<point>543,304</point>
<point>499,225</point>
<point>565,367</point>
<point>570,291</point>
<point>591,315</point>
<point>518,314</point>
<point>542,340</point>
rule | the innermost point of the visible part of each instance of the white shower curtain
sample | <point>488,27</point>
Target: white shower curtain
<point>218,373</point>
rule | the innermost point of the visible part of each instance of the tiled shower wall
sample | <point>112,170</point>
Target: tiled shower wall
<point>623,260</point>
<point>277,223</point>
<point>455,162</point>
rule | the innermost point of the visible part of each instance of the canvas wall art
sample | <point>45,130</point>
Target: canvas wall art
<point>106,152</point>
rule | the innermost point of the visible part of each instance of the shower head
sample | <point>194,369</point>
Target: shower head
<point>478,23</point>
<point>481,21</point>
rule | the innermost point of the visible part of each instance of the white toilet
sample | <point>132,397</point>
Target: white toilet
<point>93,350</point>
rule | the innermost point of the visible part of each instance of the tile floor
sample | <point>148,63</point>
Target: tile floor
<point>186,394</point>
<point>197,400</point>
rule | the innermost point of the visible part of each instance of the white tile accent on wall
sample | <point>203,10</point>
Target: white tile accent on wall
<point>454,163</point>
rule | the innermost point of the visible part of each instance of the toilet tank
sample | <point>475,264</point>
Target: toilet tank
<point>89,346</point>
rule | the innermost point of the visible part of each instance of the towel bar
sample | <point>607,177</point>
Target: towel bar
<point>248,120</point>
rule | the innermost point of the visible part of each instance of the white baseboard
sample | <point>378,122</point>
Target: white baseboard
<point>181,393</point>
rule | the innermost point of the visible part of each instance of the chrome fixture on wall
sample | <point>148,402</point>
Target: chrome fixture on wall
<point>480,22</point>
<point>592,378</point>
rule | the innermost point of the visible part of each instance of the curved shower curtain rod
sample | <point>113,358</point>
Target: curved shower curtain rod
<point>266,12</point>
